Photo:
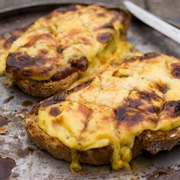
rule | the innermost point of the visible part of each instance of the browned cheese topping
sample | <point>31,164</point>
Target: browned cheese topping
<point>115,107</point>
<point>6,41</point>
<point>70,39</point>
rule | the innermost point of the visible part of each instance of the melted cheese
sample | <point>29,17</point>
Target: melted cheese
<point>118,105</point>
<point>80,31</point>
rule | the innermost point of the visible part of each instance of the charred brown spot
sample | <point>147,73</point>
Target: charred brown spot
<point>120,113</point>
<point>101,15</point>
<point>176,70</point>
<point>108,25</point>
<point>135,103</point>
<point>130,120</point>
<point>44,51</point>
<point>132,59</point>
<point>122,32</point>
<point>67,8</point>
<point>162,87</point>
<point>11,35</point>
<point>120,15</point>
<point>114,64</point>
<point>21,66</point>
<point>142,105</point>
<point>81,86</point>
<point>63,73</point>
<point>126,17</point>
<point>56,98</point>
<point>137,118</point>
<point>9,41</point>
<point>85,40</point>
<point>104,37</point>
<point>26,73</point>
<point>85,111</point>
<point>150,55</point>
<point>123,76</point>
<point>80,64</point>
<point>115,73</point>
<point>55,111</point>
<point>33,39</point>
<point>56,122</point>
<point>116,16</point>
<point>153,109</point>
<point>172,108</point>
<point>61,96</point>
<point>16,61</point>
<point>59,49</point>
<point>148,96</point>
<point>19,60</point>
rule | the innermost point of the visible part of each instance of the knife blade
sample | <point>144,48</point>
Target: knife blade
<point>153,21</point>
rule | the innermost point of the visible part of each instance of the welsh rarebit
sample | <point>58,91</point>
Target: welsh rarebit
<point>114,116</point>
<point>71,43</point>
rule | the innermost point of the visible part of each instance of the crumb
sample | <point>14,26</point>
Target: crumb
<point>22,116</point>
<point>3,130</point>
<point>18,21</point>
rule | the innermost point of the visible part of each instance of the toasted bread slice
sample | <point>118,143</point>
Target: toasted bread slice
<point>117,114</point>
<point>70,43</point>
<point>151,141</point>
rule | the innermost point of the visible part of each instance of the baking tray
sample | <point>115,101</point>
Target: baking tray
<point>27,161</point>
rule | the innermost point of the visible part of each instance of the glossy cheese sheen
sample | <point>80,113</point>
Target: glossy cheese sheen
<point>79,37</point>
<point>115,107</point>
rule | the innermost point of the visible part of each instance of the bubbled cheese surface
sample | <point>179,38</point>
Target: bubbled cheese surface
<point>116,106</point>
<point>61,39</point>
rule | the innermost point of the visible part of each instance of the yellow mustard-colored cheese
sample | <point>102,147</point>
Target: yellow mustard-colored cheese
<point>64,37</point>
<point>118,105</point>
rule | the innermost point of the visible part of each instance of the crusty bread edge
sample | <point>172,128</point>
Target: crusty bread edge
<point>46,88</point>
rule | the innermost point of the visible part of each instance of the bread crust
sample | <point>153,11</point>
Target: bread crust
<point>150,141</point>
<point>46,88</point>
<point>159,140</point>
